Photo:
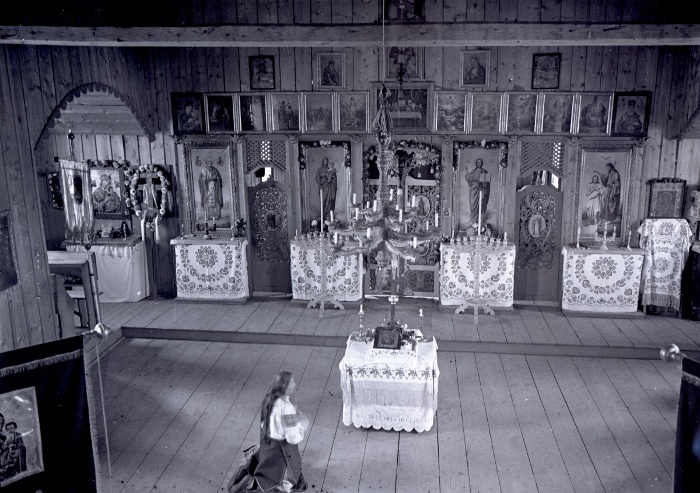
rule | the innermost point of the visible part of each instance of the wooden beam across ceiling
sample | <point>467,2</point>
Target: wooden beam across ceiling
<point>437,34</point>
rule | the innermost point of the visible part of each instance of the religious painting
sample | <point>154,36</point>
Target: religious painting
<point>557,113</point>
<point>475,68</point>
<point>21,454</point>
<point>220,114</point>
<point>450,111</point>
<point>484,115</point>
<point>409,105</point>
<point>210,186</point>
<point>594,113</point>
<point>666,197</point>
<point>352,112</point>
<point>107,185</point>
<point>387,338</point>
<point>631,113</point>
<point>8,266</point>
<point>480,176</point>
<point>253,112</point>
<point>318,112</point>
<point>285,112</point>
<point>262,72</point>
<point>604,191</point>
<point>545,70</point>
<point>325,182</point>
<point>403,62</point>
<point>522,110</point>
<point>330,70</point>
<point>188,116</point>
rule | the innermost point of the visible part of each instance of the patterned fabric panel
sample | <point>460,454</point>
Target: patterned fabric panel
<point>343,273</point>
<point>212,271</point>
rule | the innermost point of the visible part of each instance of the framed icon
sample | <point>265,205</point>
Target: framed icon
<point>262,72</point>
<point>476,68</point>
<point>631,113</point>
<point>188,115</point>
<point>330,70</point>
<point>666,198</point>
<point>387,338</point>
<point>220,113</point>
<point>545,70</point>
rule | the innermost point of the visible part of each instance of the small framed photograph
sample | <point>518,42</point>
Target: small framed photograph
<point>352,112</point>
<point>594,113</point>
<point>220,114</point>
<point>476,67</point>
<point>522,110</point>
<point>188,110</point>
<point>387,338</point>
<point>262,72</point>
<point>253,112</point>
<point>286,112</point>
<point>22,453</point>
<point>666,198</point>
<point>557,113</point>
<point>484,115</point>
<point>406,61</point>
<point>318,112</point>
<point>330,70</point>
<point>107,185</point>
<point>545,70</point>
<point>631,113</point>
<point>450,111</point>
<point>409,105</point>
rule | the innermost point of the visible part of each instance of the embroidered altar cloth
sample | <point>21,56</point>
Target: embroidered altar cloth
<point>668,242</point>
<point>495,276</point>
<point>389,389</point>
<point>214,269</point>
<point>596,280</point>
<point>343,272</point>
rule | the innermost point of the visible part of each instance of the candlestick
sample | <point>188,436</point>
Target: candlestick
<point>354,198</point>
<point>361,310</point>
<point>400,215</point>
<point>415,242</point>
<point>481,194</point>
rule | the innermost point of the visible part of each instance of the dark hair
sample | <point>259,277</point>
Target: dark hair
<point>278,388</point>
<point>11,423</point>
<point>2,416</point>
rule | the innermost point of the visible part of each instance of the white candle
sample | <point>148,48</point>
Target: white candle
<point>481,193</point>
<point>354,198</point>
<point>436,220</point>
<point>505,237</point>
<point>374,206</point>
<point>143,228</point>
<point>368,204</point>
<point>335,237</point>
<point>400,215</point>
<point>331,216</point>
<point>420,312</point>
<point>397,205</point>
<point>391,194</point>
<point>629,237</point>
<point>156,220</point>
<point>413,201</point>
<point>368,232</point>
<point>415,242</point>
<point>614,231</point>
<point>357,213</point>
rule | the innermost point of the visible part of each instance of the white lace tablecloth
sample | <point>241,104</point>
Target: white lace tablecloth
<point>668,242</point>
<point>121,270</point>
<point>211,269</point>
<point>597,280</point>
<point>495,276</point>
<point>343,272</point>
<point>389,389</point>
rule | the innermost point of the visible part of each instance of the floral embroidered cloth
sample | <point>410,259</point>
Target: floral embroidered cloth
<point>495,276</point>
<point>389,389</point>
<point>667,241</point>
<point>343,272</point>
<point>211,269</point>
<point>597,280</point>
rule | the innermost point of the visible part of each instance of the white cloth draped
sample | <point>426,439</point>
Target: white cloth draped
<point>389,389</point>
<point>78,200</point>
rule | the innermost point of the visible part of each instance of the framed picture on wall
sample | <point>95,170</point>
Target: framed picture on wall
<point>410,105</point>
<point>220,113</point>
<point>484,114</point>
<point>107,185</point>
<point>480,167</point>
<point>352,111</point>
<point>476,68</point>
<point>286,112</point>
<point>545,70</point>
<point>450,111</point>
<point>631,113</point>
<point>556,113</point>
<point>666,197</point>
<point>521,111</point>
<point>210,186</point>
<point>262,72</point>
<point>594,112</point>
<point>318,112</point>
<point>253,110</point>
<point>188,116</point>
<point>406,59</point>
<point>324,167</point>
<point>330,70</point>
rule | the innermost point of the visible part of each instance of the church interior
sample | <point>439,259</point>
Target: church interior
<point>470,230</point>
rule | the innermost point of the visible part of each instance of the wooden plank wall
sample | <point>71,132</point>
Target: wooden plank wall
<point>35,79</point>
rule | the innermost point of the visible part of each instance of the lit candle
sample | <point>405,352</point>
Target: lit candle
<point>415,242</point>
<point>368,232</point>
<point>436,220</point>
<point>335,237</point>
<point>481,193</point>
<point>413,201</point>
<point>400,215</point>
<point>354,198</point>
<point>331,216</point>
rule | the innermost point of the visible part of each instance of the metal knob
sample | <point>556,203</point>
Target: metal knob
<point>670,353</point>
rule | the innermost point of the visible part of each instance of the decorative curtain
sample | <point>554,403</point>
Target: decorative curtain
<point>75,181</point>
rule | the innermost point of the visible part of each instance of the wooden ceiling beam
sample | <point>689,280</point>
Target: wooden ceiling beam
<point>438,34</point>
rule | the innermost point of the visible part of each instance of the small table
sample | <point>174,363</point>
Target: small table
<point>389,389</point>
<point>596,280</point>
<point>215,269</point>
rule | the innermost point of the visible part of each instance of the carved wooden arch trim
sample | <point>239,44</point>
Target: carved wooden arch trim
<point>93,87</point>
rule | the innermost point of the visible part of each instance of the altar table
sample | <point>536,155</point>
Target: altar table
<point>343,272</point>
<point>215,269</point>
<point>389,389</point>
<point>121,268</point>
<point>596,280</point>
<point>495,276</point>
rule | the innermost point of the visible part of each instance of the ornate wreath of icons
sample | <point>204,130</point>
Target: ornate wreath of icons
<point>132,202</point>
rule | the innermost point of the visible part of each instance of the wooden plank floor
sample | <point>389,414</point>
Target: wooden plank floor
<point>179,413</point>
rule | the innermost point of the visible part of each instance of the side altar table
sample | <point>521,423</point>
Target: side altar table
<point>215,269</point>
<point>389,389</point>
<point>597,280</point>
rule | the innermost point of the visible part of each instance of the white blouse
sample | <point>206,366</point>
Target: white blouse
<point>285,422</point>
